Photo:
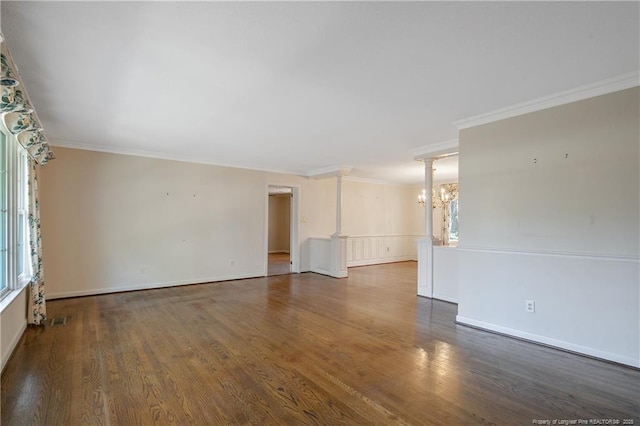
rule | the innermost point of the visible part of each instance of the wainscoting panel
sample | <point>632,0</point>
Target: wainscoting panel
<point>375,249</point>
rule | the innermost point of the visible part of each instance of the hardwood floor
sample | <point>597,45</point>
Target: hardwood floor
<point>296,349</point>
<point>278,264</point>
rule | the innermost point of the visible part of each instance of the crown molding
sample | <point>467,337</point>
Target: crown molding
<point>155,155</point>
<point>610,85</point>
<point>434,150</point>
<point>313,174</point>
<point>326,172</point>
<point>352,178</point>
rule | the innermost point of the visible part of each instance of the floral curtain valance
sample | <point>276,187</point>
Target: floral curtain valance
<point>18,115</point>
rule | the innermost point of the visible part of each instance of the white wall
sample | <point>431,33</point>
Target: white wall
<point>549,211</point>
<point>320,255</point>
<point>445,273</point>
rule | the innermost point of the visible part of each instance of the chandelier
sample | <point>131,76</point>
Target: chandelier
<point>446,193</point>
<point>422,198</point>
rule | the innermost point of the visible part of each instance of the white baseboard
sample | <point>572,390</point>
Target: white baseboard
<point>549,341</point>
<point>444,297</point>
<point>321,271</point>
<point>380,261</point>
<point>149,286</point>
<point>12,345</point>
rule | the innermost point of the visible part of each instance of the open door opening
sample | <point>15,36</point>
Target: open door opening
<point>279,231</point>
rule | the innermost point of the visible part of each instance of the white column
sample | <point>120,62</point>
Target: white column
<point>428,185</point>
<point>338,241</point>
<point>425,245</point>
<point>339,204</point>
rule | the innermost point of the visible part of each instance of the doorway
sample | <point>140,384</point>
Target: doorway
<point>279,230</point>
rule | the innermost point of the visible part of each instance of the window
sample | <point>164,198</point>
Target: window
<point>453,220</point>
<point>448,199</point>
<point>22,237</point>
<point>15,265</point>
<point>4,213</point>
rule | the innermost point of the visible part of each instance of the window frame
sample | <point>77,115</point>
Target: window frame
<point>5,285</point>
<point>14,203</point>
<point>22,217</point>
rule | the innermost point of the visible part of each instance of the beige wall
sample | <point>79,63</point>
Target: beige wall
<point>371,209</point>
<point>109,225</point>
<point>520,191</point>
<point>317,200</point>
<point>115,222</point>
<point>279,223</point>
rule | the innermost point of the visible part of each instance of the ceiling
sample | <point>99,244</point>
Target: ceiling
<point>302,86</point>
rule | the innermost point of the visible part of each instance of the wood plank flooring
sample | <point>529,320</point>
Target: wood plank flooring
<point>278,264</point>
<point>296,349</point>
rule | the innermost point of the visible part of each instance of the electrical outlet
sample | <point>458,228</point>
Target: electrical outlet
<point>530,306</point>
<point>387,248</point>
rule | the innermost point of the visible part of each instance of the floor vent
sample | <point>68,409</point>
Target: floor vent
<point>59,321</point>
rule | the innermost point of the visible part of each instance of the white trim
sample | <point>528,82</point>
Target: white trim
<point>312,174</point>
<point>279,191</point>
<point>351,178</point>
<point>13,344</point>
<point>549,341</point>
<point>321,272</point>
<point>10,296</point>
<point>294,231</point>
<point>17,328</point>
<point>149,286</point>
<point>16,181</point>
<point>444,148</point>
<point>381,261</point>
<point>444,298</point>
<point>610,85</point>
<point>294,223</point>
<point>387,235</point>
<point>566,254</point>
